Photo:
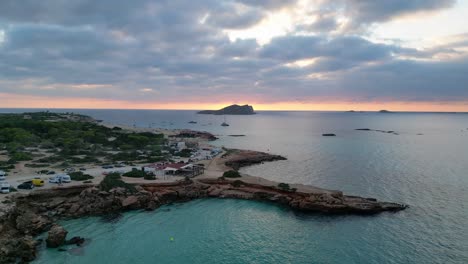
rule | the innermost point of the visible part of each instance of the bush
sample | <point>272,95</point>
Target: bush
<point>150,176</point>
<point>135,173</point>
<point>21,156</point>
<point>80,176</point>
<point>185,153</point>
<point>36,165</point>
<point>237,183</point>
<point>114,180</point>
<point>231,174</point>
<point>286,187</point>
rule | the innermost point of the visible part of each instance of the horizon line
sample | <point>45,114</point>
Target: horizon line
<point>267,110</point>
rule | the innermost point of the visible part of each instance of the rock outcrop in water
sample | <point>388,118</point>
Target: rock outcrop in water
<point>248,158</point>
<point>56,236</point>
<point>231,110</point>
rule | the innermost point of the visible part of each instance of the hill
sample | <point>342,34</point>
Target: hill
<point>231,110</point>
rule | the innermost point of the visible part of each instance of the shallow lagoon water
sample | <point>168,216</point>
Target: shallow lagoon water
<point>429,172</point>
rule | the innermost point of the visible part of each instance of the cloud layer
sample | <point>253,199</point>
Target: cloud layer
<point>181,51</point>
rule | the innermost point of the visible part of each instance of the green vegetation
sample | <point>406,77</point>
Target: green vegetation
<point>114,180</point>
<point>285,187</point>
<point>13,189</point>
<point>237,183</point>
<point>79,176</point>
<point>74,139</point>
<point>185,153</point>
<point>150,176</point>
<point>20,156</point>
<point>135,173</point>
<point>231,174</point>
<point>5,166</point>
<point>36,165</point>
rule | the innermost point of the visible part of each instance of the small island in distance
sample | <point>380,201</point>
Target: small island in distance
<point>231,110</point>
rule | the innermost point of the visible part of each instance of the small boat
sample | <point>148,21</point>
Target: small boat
<point>192,122</point>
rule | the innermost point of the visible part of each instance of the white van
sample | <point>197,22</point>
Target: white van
<point>2,175</point>
<point>4,187</point>
<point>60,178</point>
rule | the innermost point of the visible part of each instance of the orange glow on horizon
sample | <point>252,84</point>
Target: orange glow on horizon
<point>27,101</point>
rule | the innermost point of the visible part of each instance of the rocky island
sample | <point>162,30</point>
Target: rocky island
<point>231,110</point>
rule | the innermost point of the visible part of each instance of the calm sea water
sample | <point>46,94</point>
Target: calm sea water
<point>429,172</point>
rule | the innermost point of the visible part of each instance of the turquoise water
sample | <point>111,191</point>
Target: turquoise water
<point>429,172</point>
<point>233,231</point>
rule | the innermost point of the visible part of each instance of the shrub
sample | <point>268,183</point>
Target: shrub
<point>150,176</point>
<point>113,180</point>
<point>237,183</point>
<point>13,189</point>
<point>135,173</point>
<point>185,153</point>
<point>286,187</point>
<point>80,176</point>
<point>231,174</point>
<point>36,165</point>
<point>21,156</point>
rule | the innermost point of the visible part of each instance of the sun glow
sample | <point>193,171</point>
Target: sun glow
<point>27,101</point>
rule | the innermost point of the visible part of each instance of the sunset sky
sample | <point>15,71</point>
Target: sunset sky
<point>401,55</point>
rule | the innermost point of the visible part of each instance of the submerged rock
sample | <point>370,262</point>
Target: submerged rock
<point>329,135</point>
<point>75,241</point>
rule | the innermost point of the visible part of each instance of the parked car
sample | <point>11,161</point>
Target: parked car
<point>5,187</point>
<point>50,172</point>
<point>28,185</point>
<point>60,178</point>
<point>107,167</point>
<point>82,169</point>
<point>37,182</point>
<point>2,175</point>
<point>69,170</point>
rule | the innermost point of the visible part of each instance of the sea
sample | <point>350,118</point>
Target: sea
<point>423,163</point>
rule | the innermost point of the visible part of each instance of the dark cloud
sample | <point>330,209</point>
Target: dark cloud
<point>120,49</point>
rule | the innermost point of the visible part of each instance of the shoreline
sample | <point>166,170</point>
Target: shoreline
<point>29,214</point>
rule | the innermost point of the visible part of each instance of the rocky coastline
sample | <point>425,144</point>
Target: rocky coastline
<point>37,212</point>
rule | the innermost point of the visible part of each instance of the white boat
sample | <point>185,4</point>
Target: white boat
<point>2,175</point>
<point>4,187</point>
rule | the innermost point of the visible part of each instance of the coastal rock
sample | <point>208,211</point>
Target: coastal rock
<point>329,135</point>
<point>30,223</point>
<point>56,236</point>
<point>15,248</point>
<point>239,158</point>
<point>130,201</point>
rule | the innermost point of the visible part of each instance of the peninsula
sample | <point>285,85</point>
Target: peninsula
<point>231,110</point>
<point>25,214</point>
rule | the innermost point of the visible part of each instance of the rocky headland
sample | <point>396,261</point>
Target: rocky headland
<point>37,212</point>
